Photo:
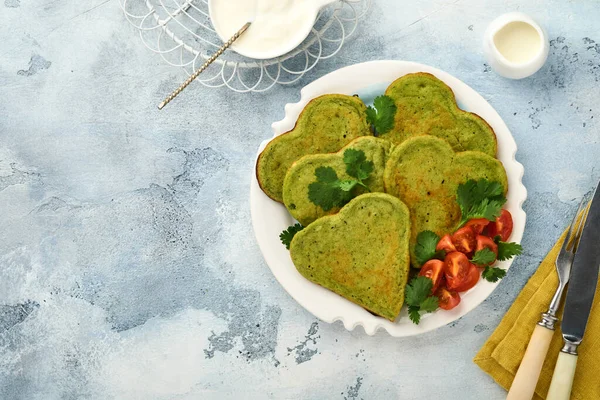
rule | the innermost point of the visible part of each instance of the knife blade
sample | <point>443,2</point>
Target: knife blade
<point>584,277</point>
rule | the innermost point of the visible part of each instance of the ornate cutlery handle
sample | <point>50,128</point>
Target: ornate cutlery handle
<point>204,66</point>
<point>525,381</point>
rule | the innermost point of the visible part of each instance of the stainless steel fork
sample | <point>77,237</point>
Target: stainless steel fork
<point>525,381</point>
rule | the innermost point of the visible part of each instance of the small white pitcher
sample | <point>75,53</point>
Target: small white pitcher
<point>500,63</point>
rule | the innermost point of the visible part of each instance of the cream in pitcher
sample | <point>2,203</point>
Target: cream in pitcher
<point>515,45</point>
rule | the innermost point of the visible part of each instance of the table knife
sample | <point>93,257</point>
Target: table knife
<point>579,301</point>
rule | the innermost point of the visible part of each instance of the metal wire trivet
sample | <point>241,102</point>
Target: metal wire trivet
<point>182,33</point>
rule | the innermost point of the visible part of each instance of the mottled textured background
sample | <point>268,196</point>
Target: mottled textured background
<point>128,266</point>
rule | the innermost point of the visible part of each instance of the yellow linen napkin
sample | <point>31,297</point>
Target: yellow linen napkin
<point>501,355</point>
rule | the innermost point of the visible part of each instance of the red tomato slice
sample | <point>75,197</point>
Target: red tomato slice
<point>503,226</point>
<point>478,225</point>
<point>460,274</point>
<point>456,268</point>
<point>486,242</point>
<point>445,244</point>
<point>434,270</point>
<point>448,298</point>
<point>464,240</point>
<point>471,279</point>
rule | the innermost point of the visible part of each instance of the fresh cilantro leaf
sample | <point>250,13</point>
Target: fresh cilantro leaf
<point>417,290</point>
<point>479,199</point>
<point>493,274</point>
<point>418,298</point>
<point>348,185</point>
<point>430,304</point>
<point>493,208</point>
<point>327,195</point>
<point>507,250</point>
<point>357,165</point>
<point>483,189</point>
<point>381,115</point>
<point>483,257</point>
<point>326,174</point>
<point>288,234</point>
<point>414,314</point>
<point>323,195</point>
<point>329,191</point>
<point>353,156</point>
<point>425,247</point>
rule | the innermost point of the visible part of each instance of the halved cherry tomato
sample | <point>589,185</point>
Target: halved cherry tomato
<point>448,298</point>
<point>464,240</point>
<point>460,274</point>
<point>434,270</point>
<point>471,279</point>
<point>478,225</point>
<point>445,244</point>
<point>485,242</point>
<point>503,226</point>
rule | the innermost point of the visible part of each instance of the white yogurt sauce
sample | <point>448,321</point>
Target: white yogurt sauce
<point>276,24</point>
<point>518,42</point>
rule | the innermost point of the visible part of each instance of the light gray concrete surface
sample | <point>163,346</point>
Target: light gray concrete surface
<point>128,266</point>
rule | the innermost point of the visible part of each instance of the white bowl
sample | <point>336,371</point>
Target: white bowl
<point>499,63</point>
<point>295,41</point>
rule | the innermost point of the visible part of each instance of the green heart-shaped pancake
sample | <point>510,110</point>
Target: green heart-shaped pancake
<point>302,174</point>
<point>361,253</point>
<point>424,172</point>
<point>427,106</point>
<point>326,124</point>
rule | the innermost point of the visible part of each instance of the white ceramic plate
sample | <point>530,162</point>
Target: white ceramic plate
<point>269,218</point>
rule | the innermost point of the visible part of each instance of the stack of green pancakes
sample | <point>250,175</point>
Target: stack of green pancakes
<point>363,250</point>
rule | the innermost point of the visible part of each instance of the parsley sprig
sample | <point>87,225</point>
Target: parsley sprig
<point>483,257</point>
<point>493,274</point>
<point>419,299</point>
<point>506,250</point>
<point>357,164</point>
<point>381,114</point>
<point>288,234</point>
<point>479,199</point>
<point>425,247</point>
<point>329,191</point>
